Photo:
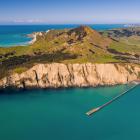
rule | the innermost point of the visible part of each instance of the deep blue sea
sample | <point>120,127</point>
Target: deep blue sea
<point>14,35</point>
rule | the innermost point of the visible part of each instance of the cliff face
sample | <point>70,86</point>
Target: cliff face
<point>72,75</point>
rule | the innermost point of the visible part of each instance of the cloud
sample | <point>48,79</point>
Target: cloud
<point>28,21</point>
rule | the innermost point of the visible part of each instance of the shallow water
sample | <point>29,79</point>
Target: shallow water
<point>60,114</point>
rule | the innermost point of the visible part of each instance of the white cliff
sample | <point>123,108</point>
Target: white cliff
<point>72,75</point>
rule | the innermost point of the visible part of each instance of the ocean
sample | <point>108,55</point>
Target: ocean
<point>59,114</point>
<point>16,35</point>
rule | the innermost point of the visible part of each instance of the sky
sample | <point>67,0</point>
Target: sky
<point>69,11</point>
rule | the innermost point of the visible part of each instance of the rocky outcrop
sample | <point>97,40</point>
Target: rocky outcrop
<point>72,75</point>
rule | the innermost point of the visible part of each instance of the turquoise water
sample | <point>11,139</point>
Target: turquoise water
<point>9,40</point>
<point>60,114</point>
<point>17,34</point>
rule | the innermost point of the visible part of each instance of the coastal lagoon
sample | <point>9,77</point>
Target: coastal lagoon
<point>59,114</point>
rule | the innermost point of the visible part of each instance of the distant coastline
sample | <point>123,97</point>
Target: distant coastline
<point>34,36</point>
<point>131,25</point>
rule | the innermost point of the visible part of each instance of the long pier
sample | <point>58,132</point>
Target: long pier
<point>115,98</point>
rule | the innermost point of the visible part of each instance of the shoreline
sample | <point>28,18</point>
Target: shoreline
<point>60,88</point>
<point>32,36</point>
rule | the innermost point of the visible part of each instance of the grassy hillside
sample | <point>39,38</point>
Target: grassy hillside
<point>79,45</point>
<point>127,39</point>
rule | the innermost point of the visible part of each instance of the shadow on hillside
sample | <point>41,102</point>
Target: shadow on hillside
<point>28,60</point>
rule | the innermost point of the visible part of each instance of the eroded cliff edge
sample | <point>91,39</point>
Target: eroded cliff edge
<point>56,75</point>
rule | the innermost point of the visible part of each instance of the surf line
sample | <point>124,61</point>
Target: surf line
<point>91,112</point>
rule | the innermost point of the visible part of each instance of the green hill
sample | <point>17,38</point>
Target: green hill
<point>79,45</point>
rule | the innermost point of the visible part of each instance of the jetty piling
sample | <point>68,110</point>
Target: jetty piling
<point>89,113</point>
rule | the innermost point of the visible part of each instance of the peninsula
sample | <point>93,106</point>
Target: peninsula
<point>79,57</point>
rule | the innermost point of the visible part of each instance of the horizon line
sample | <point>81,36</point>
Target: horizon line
<point>123,23</point>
